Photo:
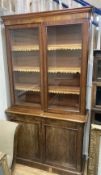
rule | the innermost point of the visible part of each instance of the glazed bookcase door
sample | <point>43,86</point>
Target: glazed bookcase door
<point>99,69</point>
<point>97,66</point>
<point>64,60</point>
<point>25,53</point>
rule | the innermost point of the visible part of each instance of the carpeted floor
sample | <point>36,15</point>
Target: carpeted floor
<point>25,170</point>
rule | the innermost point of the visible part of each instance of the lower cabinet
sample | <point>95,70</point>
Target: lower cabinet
<point>51,144</point>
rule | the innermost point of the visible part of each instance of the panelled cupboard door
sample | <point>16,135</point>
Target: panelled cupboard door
<point>25,65</point>
<point>66,60</point>
<point>29,141</point>
<point>63,145</point>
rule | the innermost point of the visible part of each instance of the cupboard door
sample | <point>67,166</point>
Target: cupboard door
<point>25,53</point>
<point>29,141</point>
<point>63,145</point>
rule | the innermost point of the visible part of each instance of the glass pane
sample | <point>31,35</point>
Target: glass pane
<point>99,69</point>
<point>64,66</point>
<point>26,65</point>
<point>98,118</point>
<point>98,95</point>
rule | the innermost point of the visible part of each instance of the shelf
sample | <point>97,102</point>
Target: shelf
<point>64,70</point>
<point>99,78</point>
<point>97,83</point>
<point>65,47</point>
<point>64,90</point>
<point>25,48</point>
<point>50,47</point>
<point>52,89</point>
<point>27,87</point>
<point>50,70</point>
<point>96,109</point>
<point>26,69</point>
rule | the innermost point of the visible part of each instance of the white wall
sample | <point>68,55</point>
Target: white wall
<point>96,3</point>
<point>4,87</point>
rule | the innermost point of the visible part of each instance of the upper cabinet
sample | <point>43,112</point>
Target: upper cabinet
<point>47,59</point>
